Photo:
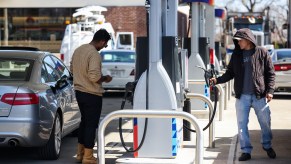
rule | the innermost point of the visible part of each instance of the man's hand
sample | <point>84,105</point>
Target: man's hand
<point>107,79</point>
<point>269,97</point>
<point>212,81</point>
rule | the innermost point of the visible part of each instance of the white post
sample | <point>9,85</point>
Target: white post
<point>201,8</point>
<point>164,8</point>
<point>155,31</point>
<point>195,29</point>
<point>172,23</point>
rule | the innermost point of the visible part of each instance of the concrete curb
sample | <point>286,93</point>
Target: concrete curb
<point>233,150</point>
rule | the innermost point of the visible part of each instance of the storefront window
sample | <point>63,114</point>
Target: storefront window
<point>36,25</point>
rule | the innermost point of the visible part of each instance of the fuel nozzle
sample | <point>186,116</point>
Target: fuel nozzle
<point>207,75</point>
<point>129,88</point>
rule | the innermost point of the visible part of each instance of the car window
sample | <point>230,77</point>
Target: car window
<point>52,74</point>
<point>274,56</point>
<point>15,69</point>
<point>118,56</point>
<point>283,55</point>
<point>44,77</point>
<point>60,67</point>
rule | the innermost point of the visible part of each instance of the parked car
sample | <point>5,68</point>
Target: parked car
<point>120,64</point>
<point>282,63</point>
<point>37,101</point>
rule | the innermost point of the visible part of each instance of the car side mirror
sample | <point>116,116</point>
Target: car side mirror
<point>62,83</point>
<point>54,89</point>
<point>71,77</point>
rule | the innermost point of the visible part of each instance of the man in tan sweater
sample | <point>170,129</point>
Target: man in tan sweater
<point>86,65</point>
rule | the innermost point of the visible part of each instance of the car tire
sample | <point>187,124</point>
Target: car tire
<point>51,151</point>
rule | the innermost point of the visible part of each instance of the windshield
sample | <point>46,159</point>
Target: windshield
<point>118,56</point>
<point>255,27</point>
<point>15,69</point>
<point>283,55</point>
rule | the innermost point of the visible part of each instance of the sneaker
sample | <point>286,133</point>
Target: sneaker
<point>271,153</point>
<point>245,157</point>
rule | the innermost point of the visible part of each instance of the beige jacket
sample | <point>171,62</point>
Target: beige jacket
<point>86,68</point>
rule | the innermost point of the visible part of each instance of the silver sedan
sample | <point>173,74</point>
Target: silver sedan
<point>37,101</point>
<point>282,64</point>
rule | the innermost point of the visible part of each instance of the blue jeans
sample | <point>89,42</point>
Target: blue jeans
<point>263,113</point>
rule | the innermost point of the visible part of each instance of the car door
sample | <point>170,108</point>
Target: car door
<point>60,94</point>
<point>72,105</point>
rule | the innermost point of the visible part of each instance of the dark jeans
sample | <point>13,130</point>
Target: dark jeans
<point>90,107</point>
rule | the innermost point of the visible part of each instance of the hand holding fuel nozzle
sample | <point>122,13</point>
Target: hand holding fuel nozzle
<point>212,81</point>
<point>209,75</point>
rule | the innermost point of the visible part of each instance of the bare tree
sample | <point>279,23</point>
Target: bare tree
<point>250,5</point>
<point>274,10</point>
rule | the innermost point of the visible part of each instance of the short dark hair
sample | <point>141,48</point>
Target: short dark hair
<point>101,34</point>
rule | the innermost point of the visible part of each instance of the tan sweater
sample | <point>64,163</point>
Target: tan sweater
<point>86,68</point>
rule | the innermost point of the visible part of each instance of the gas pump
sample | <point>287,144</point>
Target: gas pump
<point>196,58</point>
<point>163,136</point>
<point>158,85</point>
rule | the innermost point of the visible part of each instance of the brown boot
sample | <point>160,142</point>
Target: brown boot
<point>88,157</point>
<point>80,153</point>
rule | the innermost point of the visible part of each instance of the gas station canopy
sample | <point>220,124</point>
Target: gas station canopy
<point>66,3</point>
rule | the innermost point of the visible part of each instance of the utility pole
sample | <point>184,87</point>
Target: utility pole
<point>5,27</point>
<point>289,27</point>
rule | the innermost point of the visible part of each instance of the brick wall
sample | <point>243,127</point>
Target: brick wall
<point>133,19</point>
<point>127,19</point>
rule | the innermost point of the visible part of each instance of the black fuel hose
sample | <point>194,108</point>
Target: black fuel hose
<point>132,87</point>
<point>120,129</point>
<point>212,116</point>
<point>207,76</point>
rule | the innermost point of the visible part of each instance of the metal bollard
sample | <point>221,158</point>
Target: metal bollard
<point>225,95</point>
<point>211,127</point>
<point>187,108</point>
<point>220,100</point>
<point>229,89</point>
<point>150,114</point>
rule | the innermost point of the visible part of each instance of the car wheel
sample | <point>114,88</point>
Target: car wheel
<point>51,151</point>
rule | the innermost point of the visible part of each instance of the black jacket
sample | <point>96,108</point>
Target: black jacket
<point>263,69</point>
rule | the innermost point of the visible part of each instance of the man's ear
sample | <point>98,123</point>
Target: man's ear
<point>101,43</point>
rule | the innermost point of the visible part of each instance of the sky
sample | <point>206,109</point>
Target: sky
<point>220,3</point>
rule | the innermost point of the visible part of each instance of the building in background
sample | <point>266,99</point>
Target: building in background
<point>42,23</point>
